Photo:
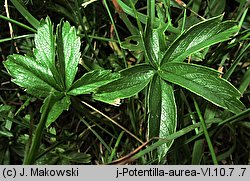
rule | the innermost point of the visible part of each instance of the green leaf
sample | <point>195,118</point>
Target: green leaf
<point>90,81</point>
<point>45,51</point>
<point>154,107</point>
<point>60,55</point>
<point>132,81</point>
<point>168,117</point>
<point>143,18</point>
<point>156,44</point>
<point>58,104</point>
<point>204,82</point>
<point>162,111</point>
<point>57,109</point>
<point>45,45</point>
<point>199,36</point>
<point>127,44</point>
<point>71,50</point>
<point>28,73</point>
<point>6,133</point>
<point>40,75</point>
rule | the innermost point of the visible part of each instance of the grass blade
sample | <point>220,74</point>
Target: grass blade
<point>245,82</point>
<point>31,19</point>
<point>210,145</point>
<point>18,23</point>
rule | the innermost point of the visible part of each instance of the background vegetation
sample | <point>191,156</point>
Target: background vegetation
<point>93,132</point>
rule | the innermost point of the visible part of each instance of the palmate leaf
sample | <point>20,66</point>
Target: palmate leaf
<point>199,36</point>
<point>204,82</point>
<point>46,74</point>
<point>132,81</point>
<point>37,74</point>
<point>162,118</point>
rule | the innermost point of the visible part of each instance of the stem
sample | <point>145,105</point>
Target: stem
<point>78,13</point>
<point>114,150</point>
<point>116,32</point>
<point>210,145</point>
<point>18,23</point>
<point>32,152</point>
<point>151,12</point>
<point>16,37</point>
<point>132,114</point>
<point>31,19</point>
<point>140,29</point>
<point>191,113</point>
